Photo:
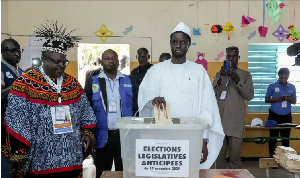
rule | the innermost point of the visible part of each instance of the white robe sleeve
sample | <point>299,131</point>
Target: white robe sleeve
<point>148,90</point>
<point>210,114</point>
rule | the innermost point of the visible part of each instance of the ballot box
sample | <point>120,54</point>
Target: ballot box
<point>161,150</point>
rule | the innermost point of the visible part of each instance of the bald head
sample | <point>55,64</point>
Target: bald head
<point>8,42</point>
<point>10,50</point>
<point>109,51</point>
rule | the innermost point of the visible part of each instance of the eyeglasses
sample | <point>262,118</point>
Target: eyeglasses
<point>13,50</point>
<point>65,63</point>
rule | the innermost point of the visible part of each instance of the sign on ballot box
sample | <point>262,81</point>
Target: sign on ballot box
<point>162,158</point>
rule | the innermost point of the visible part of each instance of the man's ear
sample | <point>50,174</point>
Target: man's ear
<point>2,50</point>
<point>148,56</point>
<point>136,56</point>
<point>43,58</point>
<point>187,46</point>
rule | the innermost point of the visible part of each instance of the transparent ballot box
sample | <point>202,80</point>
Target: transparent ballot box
<point>161,150</point>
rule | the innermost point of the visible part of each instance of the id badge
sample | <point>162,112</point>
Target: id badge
<point>60,113</point>
<point>223,95</point>
<point>112,106</point>
<point>284,104</point>
<point>61,118</point>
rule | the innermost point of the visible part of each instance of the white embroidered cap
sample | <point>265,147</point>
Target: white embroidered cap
<point>182,27</point>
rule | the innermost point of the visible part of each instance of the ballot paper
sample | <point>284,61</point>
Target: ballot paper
<point>163,116</point>
<point>287,158</point>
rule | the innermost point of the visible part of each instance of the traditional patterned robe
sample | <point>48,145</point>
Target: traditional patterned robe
<point>30,143</point>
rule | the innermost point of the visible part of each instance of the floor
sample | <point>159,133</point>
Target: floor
<point>253,167</point>
<point>89,170</point>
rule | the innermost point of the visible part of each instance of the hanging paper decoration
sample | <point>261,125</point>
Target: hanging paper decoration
<point>262,29</point>
<point>216,29</point>
<point>246,21</point>
<point>196,32</point>
<point>206,26</point>
<point>194,44</point>
<point>274,10</point>
<point>229,28</point>
<point>293,35</point>
<point>281,5</point>
<point>280,33</point>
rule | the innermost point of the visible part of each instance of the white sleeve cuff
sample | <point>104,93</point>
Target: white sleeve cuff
<point>205,134</point>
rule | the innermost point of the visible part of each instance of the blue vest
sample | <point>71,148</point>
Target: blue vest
<point>9,78</point>
<point>125,89</point>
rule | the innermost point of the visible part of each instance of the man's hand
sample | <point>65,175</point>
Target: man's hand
<point>85,140</point>
<point>205,152</point>
<point>4,92</point>
<point>234,76</point>
<point>159,102</point>
<point>278,99</point>
<point>288,98</point>
<point>222,75</point>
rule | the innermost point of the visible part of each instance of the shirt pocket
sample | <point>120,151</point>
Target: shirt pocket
<point>129,96</point>
<point>97,102</point>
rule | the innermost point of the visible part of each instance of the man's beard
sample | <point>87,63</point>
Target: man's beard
<point>179,55</point>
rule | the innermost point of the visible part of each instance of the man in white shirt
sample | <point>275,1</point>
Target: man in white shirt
<point>187,87</point>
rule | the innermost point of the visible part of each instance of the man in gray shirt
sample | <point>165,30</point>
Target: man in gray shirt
<point>232,90</point>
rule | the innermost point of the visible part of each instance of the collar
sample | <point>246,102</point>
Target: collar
<point>148,65</point>
<point>288,84</point>
<point>103,75</point>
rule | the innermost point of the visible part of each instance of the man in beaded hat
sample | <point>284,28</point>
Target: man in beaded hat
<point>49,122</point>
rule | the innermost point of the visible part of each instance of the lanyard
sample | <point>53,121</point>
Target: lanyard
<point>54,85</point>
<point>227,80</point>
<point>112,87</point>
<point>17,71</point>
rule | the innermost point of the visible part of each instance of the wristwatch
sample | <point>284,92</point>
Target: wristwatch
<point>205,140</point>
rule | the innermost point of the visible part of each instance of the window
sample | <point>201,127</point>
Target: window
<point>264,61</point>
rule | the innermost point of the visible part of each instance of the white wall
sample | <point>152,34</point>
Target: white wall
<point>154,19</point>
<point>4,19</point>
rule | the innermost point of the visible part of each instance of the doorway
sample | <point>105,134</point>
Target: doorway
<point>88,53</point>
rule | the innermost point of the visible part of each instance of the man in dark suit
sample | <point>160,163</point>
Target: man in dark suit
<point>10,57</point>
<point>140,71</point>
<point>112,95</point>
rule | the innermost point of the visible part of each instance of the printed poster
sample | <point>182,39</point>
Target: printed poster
<point>162,158</point>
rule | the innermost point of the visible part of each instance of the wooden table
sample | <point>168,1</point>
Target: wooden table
<point>208,173</point>
<point>263,140</point>
<point>268,128</point>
